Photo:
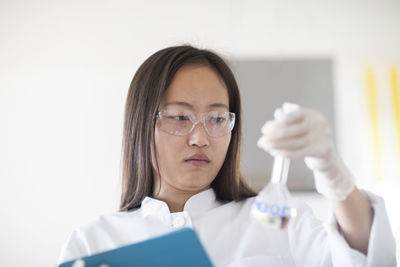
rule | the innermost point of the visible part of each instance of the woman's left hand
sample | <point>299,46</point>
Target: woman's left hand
<point>299,132</point>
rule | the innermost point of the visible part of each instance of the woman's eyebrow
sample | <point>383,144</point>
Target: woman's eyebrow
<point>219,105</point>
<point>180,103</point>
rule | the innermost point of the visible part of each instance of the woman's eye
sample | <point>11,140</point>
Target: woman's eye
<point>218,120</point>
<point>179,118</point>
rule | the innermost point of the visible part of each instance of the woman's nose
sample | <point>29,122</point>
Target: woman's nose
<point>199,137</point>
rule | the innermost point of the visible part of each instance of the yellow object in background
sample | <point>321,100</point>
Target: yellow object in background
<point>374,118</point>
<point>394,83</point>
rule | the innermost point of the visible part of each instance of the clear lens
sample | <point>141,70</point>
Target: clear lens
<point>217,123</point>
<point>182,122</point>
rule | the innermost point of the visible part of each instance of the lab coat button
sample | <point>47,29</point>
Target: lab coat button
<point>178,221</point>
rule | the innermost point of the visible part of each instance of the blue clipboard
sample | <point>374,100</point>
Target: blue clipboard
<point>178,248</point>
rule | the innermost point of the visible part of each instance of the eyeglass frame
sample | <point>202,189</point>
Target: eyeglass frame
<point>195,121</point>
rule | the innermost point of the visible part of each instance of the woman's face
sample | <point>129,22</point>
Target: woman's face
<point>197,89</point>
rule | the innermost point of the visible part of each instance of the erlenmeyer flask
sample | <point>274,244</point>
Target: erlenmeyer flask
<point>273,206</point>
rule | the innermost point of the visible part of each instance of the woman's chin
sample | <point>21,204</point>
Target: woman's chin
<point>196,185</point>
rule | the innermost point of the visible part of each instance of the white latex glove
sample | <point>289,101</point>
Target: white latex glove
<point>299,132</point>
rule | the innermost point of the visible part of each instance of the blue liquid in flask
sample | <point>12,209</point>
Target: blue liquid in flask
<point>273,206</point>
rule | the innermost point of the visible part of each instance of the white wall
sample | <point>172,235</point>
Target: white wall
<point>65,68</point>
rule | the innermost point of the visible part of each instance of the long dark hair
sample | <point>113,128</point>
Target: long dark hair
<point>145,94</point>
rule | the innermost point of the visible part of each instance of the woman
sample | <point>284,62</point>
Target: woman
<point>181,145</point>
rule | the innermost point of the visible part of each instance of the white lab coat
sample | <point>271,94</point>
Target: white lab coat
<point>232,238</point>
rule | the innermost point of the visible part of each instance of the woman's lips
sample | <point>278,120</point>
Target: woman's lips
<point>198,162</point>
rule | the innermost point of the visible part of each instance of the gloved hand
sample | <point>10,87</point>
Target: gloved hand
<point>299,132</point>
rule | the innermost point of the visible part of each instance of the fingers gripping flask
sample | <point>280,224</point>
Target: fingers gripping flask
<point>274,206</point>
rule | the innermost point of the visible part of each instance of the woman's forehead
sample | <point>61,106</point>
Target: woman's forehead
<point>197,87</point>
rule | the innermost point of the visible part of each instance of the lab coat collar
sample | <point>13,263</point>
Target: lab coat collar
<point>151,206</point>
<point>202,202</point>
<point>196,205</point>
